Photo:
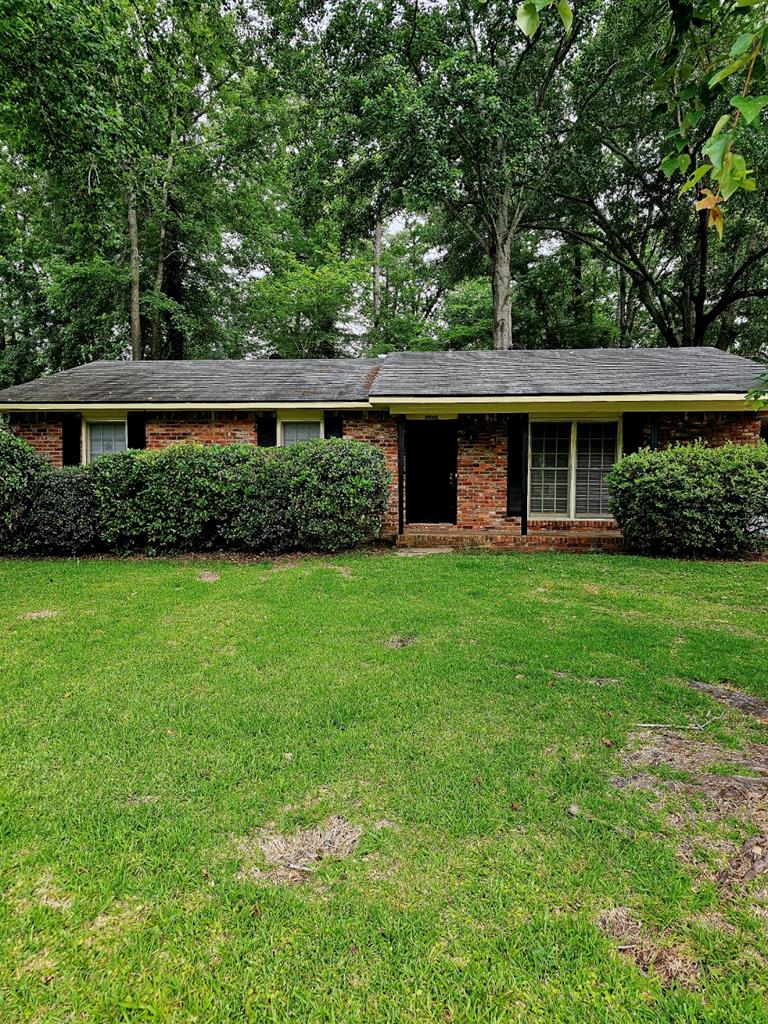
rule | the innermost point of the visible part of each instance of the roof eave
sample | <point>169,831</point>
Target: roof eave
<point>175,406</point>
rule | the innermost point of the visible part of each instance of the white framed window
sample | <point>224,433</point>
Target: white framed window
<point>569,463</point>
<point>103,437</point>
<point>292,431</point>
<point>549,487</point>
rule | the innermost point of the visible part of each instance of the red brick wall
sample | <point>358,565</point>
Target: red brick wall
<point>42,430</point>
<point>380,429</point>
<point>481,499</point>
<point>164,428</point>
<point>715,428</point>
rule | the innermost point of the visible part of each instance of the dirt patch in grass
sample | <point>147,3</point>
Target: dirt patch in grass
<point>396,642</point>
<point>112,922</point>
<point>342,570</point>
<point>637,943</point>
<point>726,694</point>
<point>206,576</point>
<point>749,862</point>
<point>292,859</point>
<point>44,613</point>
<point>46,893</point>
<point>695,757</point>
<point>741,797</point>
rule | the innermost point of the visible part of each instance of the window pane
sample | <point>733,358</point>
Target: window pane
<point>550,457</point>
<point>595,454</point>
<point>106,438</point>
<point>300,430</point>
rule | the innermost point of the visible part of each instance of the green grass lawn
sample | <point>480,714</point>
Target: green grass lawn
<point>453,706</point>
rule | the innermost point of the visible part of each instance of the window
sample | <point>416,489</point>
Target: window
<point>595,454</point>
<point>104,438</point>
<point>300,430</point>
<point>550,461</point>
<point>569,465</point>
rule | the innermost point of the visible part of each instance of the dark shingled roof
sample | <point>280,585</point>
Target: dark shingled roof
<point>517,373</point>
<point>604,371</point>
<point>202,380</point>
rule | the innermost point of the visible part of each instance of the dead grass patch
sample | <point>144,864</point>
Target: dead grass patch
<point>111,922</point>
<point>292,859</point>
<point>44,613</point>
<point>397,642</point>
<point>727,796</point>
<point>141,799</point>
<point>669,963</point>
<point>726,694</point>
<point>750,861</point>
<point>206,576</point>
<point>49,895</point>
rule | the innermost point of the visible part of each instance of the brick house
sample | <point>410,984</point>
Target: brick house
<point>491,448</point>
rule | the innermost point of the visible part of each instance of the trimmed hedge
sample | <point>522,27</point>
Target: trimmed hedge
<point>62,518</point>
<point>692,500</point>
<point>314,496</point>
<point>174,499</point>
<point>319,496</point>
<point>21,470</point>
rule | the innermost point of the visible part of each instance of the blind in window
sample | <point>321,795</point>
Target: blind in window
<point>300,430</point>
<point>595,454</point>
<point>106,438</point>
<point>550,458</point>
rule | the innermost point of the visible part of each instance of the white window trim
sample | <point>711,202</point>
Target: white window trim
<point>85,436</point>
<point>298,416</point>
<point>571,513</point>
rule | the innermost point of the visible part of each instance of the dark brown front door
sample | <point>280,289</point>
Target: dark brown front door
<point>430,471</point>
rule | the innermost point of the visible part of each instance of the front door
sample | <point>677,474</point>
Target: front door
<point>430,471</point>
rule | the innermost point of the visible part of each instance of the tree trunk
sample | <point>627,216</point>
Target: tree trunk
<point>133,236</point>
<point>174,284</point>
<point>502,298</point>
<point>578,284</point>
<point>156,313</point>
<point>377,240</point>
<point>160,272</point>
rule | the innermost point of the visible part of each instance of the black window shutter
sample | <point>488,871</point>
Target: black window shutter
<point>137,430</point>
<point>517,452</point>
<point>633,432</point>
<point>267,430</point>
<point>71,429</point>
<point>333,424</point>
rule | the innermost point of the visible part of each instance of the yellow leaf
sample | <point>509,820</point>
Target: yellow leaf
<point>716,220</point>
<point>709,202</point>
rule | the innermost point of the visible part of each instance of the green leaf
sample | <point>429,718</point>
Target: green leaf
<point>716,147</point>
<point>675,162</point>
<point>722,122</point>
<point>729,70</point>
<point>749,106</point>
<point>528,19</point>
<point>742,44</point>
<point>566,14</point>
<point>693,117</point>
<point>696,177</point>
<point>669,165</point>
<point>735,175</point>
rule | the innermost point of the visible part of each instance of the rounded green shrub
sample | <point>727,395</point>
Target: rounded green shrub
<point>21,469</point>
<point>692,500</point>
<point>62,516</point>
<point>338,492</point>
<point>313,496</point>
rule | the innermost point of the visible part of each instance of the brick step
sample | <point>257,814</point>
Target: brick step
<point>500,540</point>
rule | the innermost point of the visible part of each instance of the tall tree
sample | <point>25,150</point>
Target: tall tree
<point>463,106</point>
